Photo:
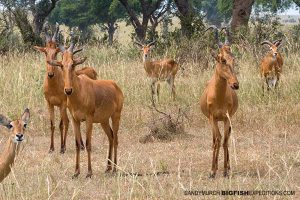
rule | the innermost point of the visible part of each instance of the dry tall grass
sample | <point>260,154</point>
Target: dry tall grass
<point>265,133</point>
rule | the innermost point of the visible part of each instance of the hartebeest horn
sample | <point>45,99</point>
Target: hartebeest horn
<point>152,43</point>
<point>267,42</point>
<point>220,44</point>
<point>138,43</point>
<point>72,44</point>
<point>277,42</point>
<point>56,33</point>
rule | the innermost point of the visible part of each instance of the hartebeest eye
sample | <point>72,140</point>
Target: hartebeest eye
<point>25,125</point>
<point>9,126</point>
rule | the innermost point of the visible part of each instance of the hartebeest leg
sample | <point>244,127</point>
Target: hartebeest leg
<point>76,129</point>
<point>89,129</point>
<point>65,127</point>
<point>109,133</point>
<point>227,130</point>
<point>115,127</point>
<point>52,124</point>
<point>158,91</point>
<point>172,87</point>
<point>153,92</point>
<point>216,146</point>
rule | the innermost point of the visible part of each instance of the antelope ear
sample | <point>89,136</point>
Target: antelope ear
<point>41,49</point>
<point>79,61</point>
<point>54,63</point>
<point>5,122</point>
<point>26,116</point>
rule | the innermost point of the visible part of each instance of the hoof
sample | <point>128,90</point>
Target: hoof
<point>212,175</point>
<point>108,170</point>
<point>51,150</point>
<point>226,174</point>
<point>89,175</point>
<point>75,175</point>
<point>82,147</point>
<point>62,150</point>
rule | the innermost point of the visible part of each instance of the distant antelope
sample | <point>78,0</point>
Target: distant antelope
<point>92,101</point>
<point>159,70</point>
<point>54,88</point>
<point>12,147</point>
<point>271,65</point>
<point>219,101</point>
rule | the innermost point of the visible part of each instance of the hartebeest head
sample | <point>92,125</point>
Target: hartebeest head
<point>146,48</point>
<point>17,127</point>
<point>68,65</point>
<point>225,59</point>
<point>273,46</point>
<point>51,50</point>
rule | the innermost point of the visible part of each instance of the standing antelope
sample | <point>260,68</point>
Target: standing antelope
<point>12,147</point>
<point>271,65</point>
<point>93,101</point>
<point>159,70</point>
<point>219,102</point>
<point>54,88</point>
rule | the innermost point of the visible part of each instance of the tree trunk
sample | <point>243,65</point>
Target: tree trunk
<point>241,13</point>
<point>297,2</point>
<point>111,31</point>
<point>186,17</point>
<point>22,22</point>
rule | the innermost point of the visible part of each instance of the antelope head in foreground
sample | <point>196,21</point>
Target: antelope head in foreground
<point>17,135</point>
<point>159,70</point>
<point>271,65</point>
<point>219,101</point>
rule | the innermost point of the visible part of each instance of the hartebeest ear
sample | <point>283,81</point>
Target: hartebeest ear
<point>55,63</point>
<point>79,61</point>
<point>26,116</point>
<point>4,121</point>
<point>41,49</point>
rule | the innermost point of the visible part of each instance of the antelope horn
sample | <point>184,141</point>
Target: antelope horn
<point>72,45</point>
<point>227,35</point>
<point>267,42</point>
<point>216,34</point>
<point>55,33</point>
<point>152,43</point>
<point>277,42</point>
<point>138,43</point>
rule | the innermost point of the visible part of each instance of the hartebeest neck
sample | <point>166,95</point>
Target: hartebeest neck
<point>220,86</point>
<point>7,158</point>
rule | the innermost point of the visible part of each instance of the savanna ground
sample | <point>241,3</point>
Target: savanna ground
<point>266,154</point>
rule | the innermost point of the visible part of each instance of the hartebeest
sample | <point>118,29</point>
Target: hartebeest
<point>54,88</point>
<point>12,147</point>
<point>271,65</point>
<point>159,70</point>
<point>219,101</point>
<point>93,101</point>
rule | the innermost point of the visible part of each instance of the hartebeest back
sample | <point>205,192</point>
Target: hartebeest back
<point>54,88</point>
<point>159,70</point>
<point>12,147</point>
<point>93,101</point>
<point>271,65</point>
<point>219,101</point>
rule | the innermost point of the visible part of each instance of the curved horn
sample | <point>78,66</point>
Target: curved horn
<point>138,43</point>
<point>72,45</point>
<point>227,35</point>
<point>267,42</point>
<point>152,43</point>
<point>54,38</point>
<point>277,42</point>
<point>216,35</point>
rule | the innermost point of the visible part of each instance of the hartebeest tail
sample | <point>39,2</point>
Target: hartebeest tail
<point>219,101</point>
<point>159,70</point>
<point>271,65</point>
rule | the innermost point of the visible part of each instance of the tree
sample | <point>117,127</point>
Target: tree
<point>187,12</point>
<point>297,2</point>
<point>241,11</point>
<point>147,8</point>
<point>40,9</point>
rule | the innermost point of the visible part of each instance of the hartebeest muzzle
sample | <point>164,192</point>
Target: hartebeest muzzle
<point>68,91</point>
